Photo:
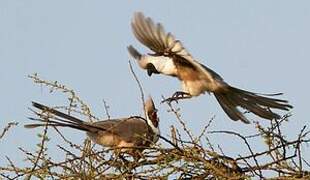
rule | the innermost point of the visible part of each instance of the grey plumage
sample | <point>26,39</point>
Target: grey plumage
<point>124,132</point>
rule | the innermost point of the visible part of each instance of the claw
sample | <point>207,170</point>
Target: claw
<point>180,94</point>
<point>176,96</point>
<point>170,100</point>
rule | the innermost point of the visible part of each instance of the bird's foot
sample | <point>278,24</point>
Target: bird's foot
<point>177,96</point>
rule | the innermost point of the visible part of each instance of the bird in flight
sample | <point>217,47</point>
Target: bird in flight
<point>125,134</point>
<point>170,58</point>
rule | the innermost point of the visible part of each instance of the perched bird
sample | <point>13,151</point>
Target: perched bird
<point>130,135</point>
<point>172,59</point>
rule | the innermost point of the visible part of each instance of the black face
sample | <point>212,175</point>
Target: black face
<point>150,68</point>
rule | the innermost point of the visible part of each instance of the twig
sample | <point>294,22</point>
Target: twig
<point>175,112</point>
<point>42,146</point>
<point>247,144</point>
<point>206,127</point>
<point>57,86</point>
<point>139,85</point>
<point>171,143</point>
<point>106,109</point>
<point>6,129</point>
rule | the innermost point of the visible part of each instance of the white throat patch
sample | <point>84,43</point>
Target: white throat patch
<point>155,130</point>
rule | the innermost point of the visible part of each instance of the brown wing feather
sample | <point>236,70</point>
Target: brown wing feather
<point>231,98</point>
<point>126,129</point>
<point>162,43</point>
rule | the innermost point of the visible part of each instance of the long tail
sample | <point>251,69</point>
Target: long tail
<point>231,98</point>
<point>134,53</point>
<point>60,120</point>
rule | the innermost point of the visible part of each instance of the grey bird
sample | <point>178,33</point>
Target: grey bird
<point>171,58</point>
<point>130,135</point>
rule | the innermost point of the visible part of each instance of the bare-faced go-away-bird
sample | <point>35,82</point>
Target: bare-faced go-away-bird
<point>172,59</point>
<point>130,135</point>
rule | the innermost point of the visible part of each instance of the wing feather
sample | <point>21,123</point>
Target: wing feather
<point>155,38</point>
<point>127,129</point>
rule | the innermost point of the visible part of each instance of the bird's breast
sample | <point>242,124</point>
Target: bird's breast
<point>200,86</point>
<point>104,139</point>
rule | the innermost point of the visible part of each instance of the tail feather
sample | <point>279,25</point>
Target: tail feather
<point>264,101</point>
<point>55,123</point>
<point>255,108</point>
<point>57,113</point>
<point>230,109</point>
<point>61,119</point>
<point>134,53</point>
<point>230,98</point>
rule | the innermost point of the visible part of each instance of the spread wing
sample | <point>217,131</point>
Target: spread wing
<point>127,129</point>
<point>155,38</point>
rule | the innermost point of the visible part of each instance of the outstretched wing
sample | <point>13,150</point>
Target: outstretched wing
<point>164,44</point>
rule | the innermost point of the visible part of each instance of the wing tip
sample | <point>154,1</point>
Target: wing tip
<point>138,14</point>
<point>134,52</point>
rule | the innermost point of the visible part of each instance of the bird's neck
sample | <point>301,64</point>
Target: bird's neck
<point>154,129</point>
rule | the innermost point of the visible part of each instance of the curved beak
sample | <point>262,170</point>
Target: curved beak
<point>150,68</point>
<point>149,72</point>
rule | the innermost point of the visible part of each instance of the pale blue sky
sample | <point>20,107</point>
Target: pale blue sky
<point>262,46</point>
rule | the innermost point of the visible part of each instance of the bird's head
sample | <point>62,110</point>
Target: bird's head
<point>143,60</point>
<point>151,113</point>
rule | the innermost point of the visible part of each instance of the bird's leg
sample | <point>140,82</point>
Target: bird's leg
<point>181,94</point>
<point>177,96</point>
